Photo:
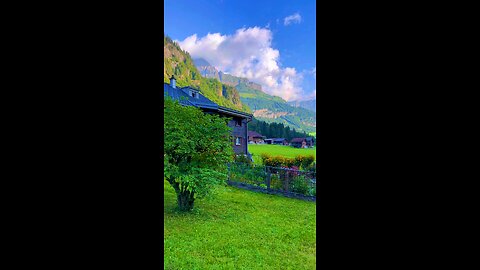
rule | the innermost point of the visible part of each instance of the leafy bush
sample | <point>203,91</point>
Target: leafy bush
<point>242,159</point>
<point>300,184</point>
<point>300,161</point>
<point>275,182</point>
<point>194,167</point>
<point>276,161</point>
<point>304,162</point>
<point>245,173</point>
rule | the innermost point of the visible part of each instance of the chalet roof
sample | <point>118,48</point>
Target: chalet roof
<point>297,140</point>
<point>184,98</point>
<point>254,134</point>
<point>181,95</point>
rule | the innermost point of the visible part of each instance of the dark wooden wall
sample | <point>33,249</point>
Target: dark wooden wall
<point>239,131</point>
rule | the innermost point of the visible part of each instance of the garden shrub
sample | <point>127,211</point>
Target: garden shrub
<point>304,162</point>
<point>242,159</point>
<point>299,161</point>
<point>242,172</point>
<point>300,184</point>
<point>275,182</point>
<point>275,161</point>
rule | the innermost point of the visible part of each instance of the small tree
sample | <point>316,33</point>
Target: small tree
<point>197,147</point>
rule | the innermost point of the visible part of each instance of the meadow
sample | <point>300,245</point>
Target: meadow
<point>239,229</point>
<point>278,150</point>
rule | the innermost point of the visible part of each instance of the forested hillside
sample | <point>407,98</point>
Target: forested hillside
<point>275,130</point>
<point>179,63</point>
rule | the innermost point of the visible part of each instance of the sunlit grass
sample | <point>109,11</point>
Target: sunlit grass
<point>239,229</point>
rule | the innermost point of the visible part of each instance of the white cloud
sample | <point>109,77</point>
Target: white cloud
<point>295,18</point>
<point>248,53</point>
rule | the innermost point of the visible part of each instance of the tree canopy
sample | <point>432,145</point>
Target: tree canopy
<point>197,148</point>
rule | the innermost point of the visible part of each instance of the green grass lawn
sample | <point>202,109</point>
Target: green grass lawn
<point>278,150</point>
<point>239,229</point>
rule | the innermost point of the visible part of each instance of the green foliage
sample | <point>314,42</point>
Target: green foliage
<point>300,184</point>
<point>304,162</point>
<point>246,173</point>
<point>196,150</point>
<point>275,182</point>
<point>280,161</point>
<point>242,159</point>
<point>300,161</point>
<point>273,161</point>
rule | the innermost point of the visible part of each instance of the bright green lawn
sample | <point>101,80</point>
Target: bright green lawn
<point>240,229</point>
<point>278,150</point>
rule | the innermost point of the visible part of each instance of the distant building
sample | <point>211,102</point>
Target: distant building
<point>279,141</point>
<point>310,141</point>
<point>302,142</point>
<point>255,137</point>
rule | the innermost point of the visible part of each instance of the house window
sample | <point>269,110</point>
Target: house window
<point>238,141</point>
<point>238,122</point>
<point>193,94</point>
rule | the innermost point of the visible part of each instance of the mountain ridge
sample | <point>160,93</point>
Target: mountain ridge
<point>310,104</point>
<point>265,107</point>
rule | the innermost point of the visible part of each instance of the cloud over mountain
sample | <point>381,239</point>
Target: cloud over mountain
<point>248,53</point>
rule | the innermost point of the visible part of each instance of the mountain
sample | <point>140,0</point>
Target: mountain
<point>306,104</point>
<point>179,63</point>
<point>265,107</point>
<point>209,71</point>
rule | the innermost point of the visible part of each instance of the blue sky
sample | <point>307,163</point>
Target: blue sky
<point>269,42</point>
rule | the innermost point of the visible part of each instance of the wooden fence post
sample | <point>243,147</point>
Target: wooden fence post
<point>268,176</point>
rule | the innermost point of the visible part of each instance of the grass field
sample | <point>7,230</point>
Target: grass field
<point>278,150</point>
<point>240,229</point>
<point>314,134</point>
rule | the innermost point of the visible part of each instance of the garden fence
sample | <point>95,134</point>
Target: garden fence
<point>279,179</point>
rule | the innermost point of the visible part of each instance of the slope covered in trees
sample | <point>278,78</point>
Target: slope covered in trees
<point>275,130</point>
<point>178,62</point>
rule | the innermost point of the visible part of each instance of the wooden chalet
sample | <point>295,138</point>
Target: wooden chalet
<point>278,141</point>
<point>302,142</point>
<point>255,137</point>
<point>189,96</point>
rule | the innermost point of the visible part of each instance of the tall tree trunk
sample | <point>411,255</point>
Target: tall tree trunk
<point>185,200</point>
